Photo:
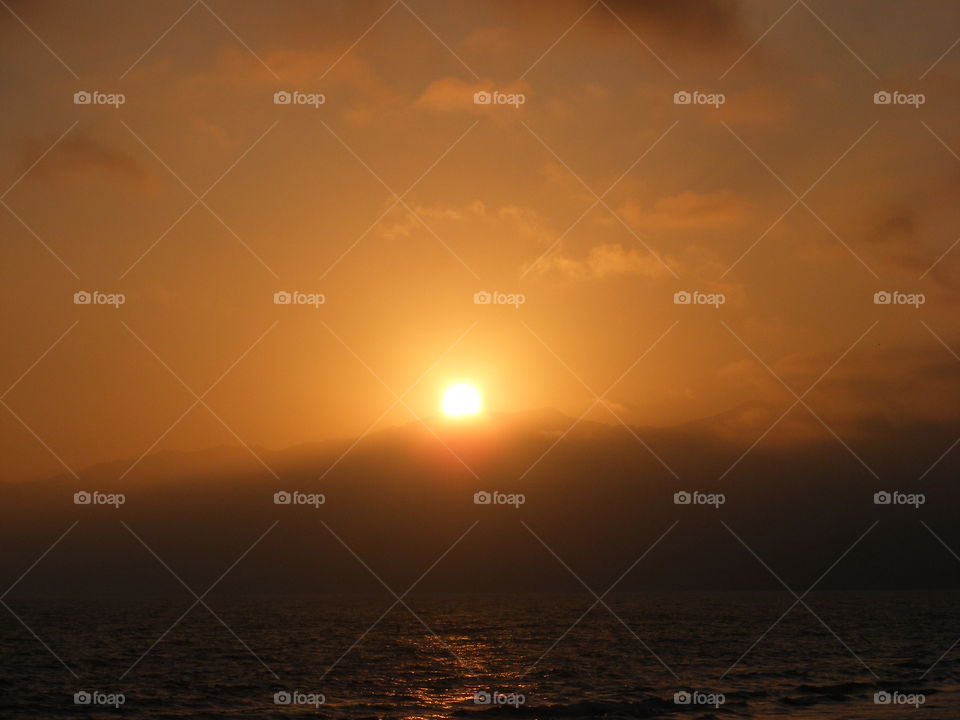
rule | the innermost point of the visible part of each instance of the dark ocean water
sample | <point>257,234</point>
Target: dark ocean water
<point>529,655</point>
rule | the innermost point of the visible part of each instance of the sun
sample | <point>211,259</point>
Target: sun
<point>461,399</point>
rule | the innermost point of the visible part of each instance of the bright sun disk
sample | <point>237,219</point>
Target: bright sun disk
<point>461,399</point>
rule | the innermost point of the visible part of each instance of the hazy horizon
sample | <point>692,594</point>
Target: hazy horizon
<point>508,198</point>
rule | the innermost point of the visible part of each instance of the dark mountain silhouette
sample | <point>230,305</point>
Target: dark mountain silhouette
<point>598,498</point>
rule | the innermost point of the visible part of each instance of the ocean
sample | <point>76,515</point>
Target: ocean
<point>640,655</point>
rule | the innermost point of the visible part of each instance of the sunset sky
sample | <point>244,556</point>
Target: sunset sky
<point>597,199</point>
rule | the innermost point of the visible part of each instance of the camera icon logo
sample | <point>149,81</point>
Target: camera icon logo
<point>882,98</point>
<point>682,697</point>
<point>882,698</point>
<point>482,697</point>
<point>482,298</point>
<point>682,498</point>
<point>682,98</point>
<point>82,498</point>
<point>282,498</point>
<point>682,297</point>
<point>82,97</point>
<point>82,297</point>
<point>82,698</point>
<point>282,698</point>
<point>482,498</point>
<point>882,498</point>
<point>882,297</point>
<point>282,97</point>
<point>482,98</point>
<point>282,297</point>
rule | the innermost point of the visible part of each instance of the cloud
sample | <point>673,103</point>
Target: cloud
<point>869,389</point>
<point>216,133</point>
<point>449,94</point>
<point>690,210</point>
<point>699,24</point>
<point>414,220</point>
<point>895,225</point>
<point>452,94</point>
<point>82,155</point>
<point>692,21</point>
<point>473,219</point>
<point>353,86</point>
<point>489,41</point>
<point>604,261</point>
<point>909,227</point>
<point>765,106</point>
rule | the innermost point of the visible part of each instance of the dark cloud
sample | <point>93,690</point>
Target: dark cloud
<point>896,225</point>
<point>689,20</point>
<point>80,154</point>
<point>907,231</point>
<point>704,23</point>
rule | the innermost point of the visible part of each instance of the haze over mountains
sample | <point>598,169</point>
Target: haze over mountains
<point>598,498</point>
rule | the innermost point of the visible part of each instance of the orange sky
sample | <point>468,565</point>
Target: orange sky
<point>598,199</point>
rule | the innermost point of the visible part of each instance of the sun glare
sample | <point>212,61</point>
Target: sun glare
<point>461,399</point>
